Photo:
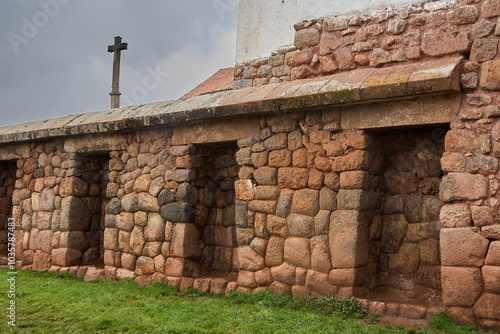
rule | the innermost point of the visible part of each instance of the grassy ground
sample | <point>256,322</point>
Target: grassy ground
<point>53,303</point>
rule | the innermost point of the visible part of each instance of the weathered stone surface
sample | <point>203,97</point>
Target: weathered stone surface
<point>482,164</point>
<point>183,175</point>
<point>144,266</point>
<point>491,232</point>
<point>187,193</point>
<point>297,252</point>
<point>306,37</point>
<point>406,260</point>
<point>265,175</point>
<point>125,221</point>
<point>305,202</point>
<point>300,225</point>
<point>347,277</point>
<point>75,216</point>
<point>179,212</point>
<point>490,77</point>
<point>66,257</point>
<point>461,286</point>
<point>380,57</point>
<point>481,215</point>
<point>396,26</point>
<point>284,203</point>
<point>329,43</point>
<point>155,229</point>
<point>484,49</point>
<point>327,199</point>
<point>354,199</point>
<point>463,15</point>
<point>444,40</point>
<point>129,203</point>
<point>491,279</point>
<point>455,215</point>
<point>487,306</point>
<point>482,28</point>
<point>292,177</point>
<point>186,241</point>
<point>355,180</point>
<point>137,240</point>
<point>249,259</point>
<point>393,232</point>
<point>297,58</point>
<point>462,247</point>
<point>73,186</point>
<point>245,189</point>
<point>285,273</point>
<point>320,254</point>
<point>349,235</point>
<point>493,256</point>
<point>263,277</point>
<point>318,282</point>
<point>462,186</point>
<point>277,226</point>
<point>490,8</point>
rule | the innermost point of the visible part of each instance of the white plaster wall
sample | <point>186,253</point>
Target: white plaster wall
<point>266,25</point>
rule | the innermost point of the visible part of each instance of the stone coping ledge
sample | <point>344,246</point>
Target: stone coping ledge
<point>353,87</point>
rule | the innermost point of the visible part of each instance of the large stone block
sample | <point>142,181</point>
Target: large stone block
<point>461,286</point>
<point>490,75</point>
<point>74,239</point>
<point>445,40</point>
<point>75,216</point>
<point>178,212</point>
<point>249,259</point>
<point>393,232</point>
<point>144,266</point>
<point>320,254</point>
<point>297,252</point>
<point>137,240</point>
<point>285,273</point>
<point>300,225</point>
<point>262,206</point>
<point>293,177</point>
<point>462,247</point>
<point>487,306</point>
<point>306,202</point>
<point>245,189</point>
<point>406,260</point>
<point>65,257</point>
<point>265,175</point>
<point>73,186</point>
<point>275,251</point>
<point>186,242</point>
<point>462,186</point>
<point>349,235</point>
<point>455,215</point>
<point>284,203</point>
<point>493,256</point>
<point>318,282</point>
<point>491,278</point>
<point>155,229</point>
<point>354,199</point>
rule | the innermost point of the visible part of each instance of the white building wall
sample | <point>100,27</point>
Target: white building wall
<point>266,25</point>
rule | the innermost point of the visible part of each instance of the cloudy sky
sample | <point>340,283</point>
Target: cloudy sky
<point>54,60</point>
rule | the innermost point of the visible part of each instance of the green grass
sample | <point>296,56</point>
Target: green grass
<point>54,303</point>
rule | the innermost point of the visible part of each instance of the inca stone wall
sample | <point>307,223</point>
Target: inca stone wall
<point>406,35</point>
<point>380,183</point>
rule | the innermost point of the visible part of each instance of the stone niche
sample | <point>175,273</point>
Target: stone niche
<point>215,211</point>
<point>7,182</point>
<point>407,243</point>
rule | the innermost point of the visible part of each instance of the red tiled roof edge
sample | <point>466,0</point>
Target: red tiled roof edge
<point>221,80</point>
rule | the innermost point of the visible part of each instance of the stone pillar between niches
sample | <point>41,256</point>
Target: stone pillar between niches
<point>469,254</point>
<point>358,160</point>
<point>74,220</point>
<point>178,207</point>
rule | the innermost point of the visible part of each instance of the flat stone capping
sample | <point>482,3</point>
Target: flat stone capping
<point>354,87</point>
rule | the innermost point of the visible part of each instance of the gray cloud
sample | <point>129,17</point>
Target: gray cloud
<point>63,68</point>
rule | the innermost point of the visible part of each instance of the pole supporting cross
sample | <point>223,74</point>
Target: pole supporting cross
<point>115,89</point>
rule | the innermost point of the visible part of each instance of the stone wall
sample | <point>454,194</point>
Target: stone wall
<point>7,180</point>
<point>406,35</point>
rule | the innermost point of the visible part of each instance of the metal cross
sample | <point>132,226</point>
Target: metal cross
<point>115,90</point>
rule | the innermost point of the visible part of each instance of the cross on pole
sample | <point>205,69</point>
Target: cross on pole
<point>115,91</point>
